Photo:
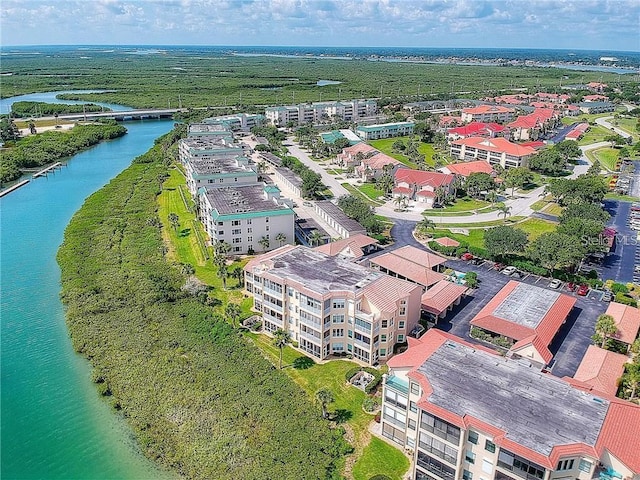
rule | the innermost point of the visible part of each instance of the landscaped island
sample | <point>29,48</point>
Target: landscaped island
<point>200,399</point>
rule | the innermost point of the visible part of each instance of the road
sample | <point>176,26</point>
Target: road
<point>328,179</point>
<point>604,122</point>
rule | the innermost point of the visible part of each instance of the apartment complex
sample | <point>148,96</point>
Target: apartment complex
<point>385,130</point>
<point>488,113</point>
<point>250,218</point>
<point>465,412</point>
<point>303,113</point>
<point>426,188</point>
<point>238,121</point>
<point>330,305</point>
<point>496,151</point>
<point>218,171</point>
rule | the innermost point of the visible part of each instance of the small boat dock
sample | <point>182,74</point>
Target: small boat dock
<point>44,172</point>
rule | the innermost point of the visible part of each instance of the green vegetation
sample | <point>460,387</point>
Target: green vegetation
<point>33,109</point>
<point>379,457</point>
<point>48,147</point>
<point>461,205</point>
<point>371,191</point>
<point>359,194</point>
<point>385,146</point>
<point>608,157</point>
<point>534,227</point>
<point>595,134</point>
<point>360,210</point>
<point>199,398</point>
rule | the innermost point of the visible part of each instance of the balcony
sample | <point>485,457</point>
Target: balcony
<point>397,384</point>
<point>310,337</point>
<point>367,317</point>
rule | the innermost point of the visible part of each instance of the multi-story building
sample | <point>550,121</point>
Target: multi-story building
<point>488,113</point>
<point>385,130</point>
<point>333,216</point>
<point>250,218</point>
<point>330,305</point>
<point>218,171</point>
<point>477,129</point>
<point>465,412</point>
<point>208,147</point>
<point>237,122</point>
<point>496,151</point>
<point>426,188</point>
<point>596,107</point>
<point>321,112</point>
<point>209,131</point>
<point>531,126</point>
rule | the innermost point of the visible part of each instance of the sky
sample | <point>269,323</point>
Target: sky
<point>572,24</point>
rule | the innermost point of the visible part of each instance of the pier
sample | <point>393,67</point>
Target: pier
<point>13,187</point>
<point>47,170</point>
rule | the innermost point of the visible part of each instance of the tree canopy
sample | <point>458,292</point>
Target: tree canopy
<point>504,239</point>
<point>553,250</point>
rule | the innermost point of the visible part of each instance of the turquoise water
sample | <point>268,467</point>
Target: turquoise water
<point>53,423</point>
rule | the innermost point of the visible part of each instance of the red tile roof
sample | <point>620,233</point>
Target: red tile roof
<point>422,178</point>
<point>419,256</point>
<point>627,320</point>
<point>533,120</point>
<point>476,129</point>
<point>379,160</point>
<point>358,148</point>
<point>403,190</point>
<point>415,272</point>
<point>447,242</point>
<point>448,120</point>
<point>441,296</point>
<point>482,109</point>
<point>540,336</point>
<point>498,144</point>
<point>536,144</point>
<point>352,246</point>
<point>601,369</point>
<point>386,291</point>
<point>467,168</point>
<point>620,433</point>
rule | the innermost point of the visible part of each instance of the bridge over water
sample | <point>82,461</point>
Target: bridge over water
<point>122,116</point>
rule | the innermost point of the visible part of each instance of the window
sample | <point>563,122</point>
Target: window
<point>403,311</point>
<point>249,230</point>
<point>338,303</point>
<point>413,406</point>
<point>473,438</point>
<point>383,337</point>
<point>383,352</point>
<point>385,323</point>
<point>401,324</point>
<point>337,318</point>
<point>440,449</point>
<point>395,398</point>
<point>236,231</point>
<point>350,333</point>
<point>412,424</point>
<point>267,228</point>
<point>441,428</point>
<point>236,240</point>
<point>585,466</point>
<point>220,224</point>
<point>249,239</point>
<point>221,232</point>
<point>489,446</point>
<point>470,456</point>
<point>565,464</point>
<point>237,249</point>
<point>467,475</point>
<point>338,332</point>
<point>415,389</point>
<point>400,338</point>
<point>248,221</point>
<point>221,180</point>
<point>487,466</point>
<point>266,219</point>
<point>337,347</point>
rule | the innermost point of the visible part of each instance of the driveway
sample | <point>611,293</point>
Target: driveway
<point>559,136</point>
<point>570,343</point>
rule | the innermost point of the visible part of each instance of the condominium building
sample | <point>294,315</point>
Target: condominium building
<point>321,112</point>
<point>337,219</point>
<point>496,151</point>
<point>218,171</point>
<point>208,147</point>
<point>488,113</point>
<point>330,305</point>
<point>532,125</point>
<point>426,188</point>
<point>466,412</point>
<point>385,130</point>
<point>238,121</point>
<point>250,218</point>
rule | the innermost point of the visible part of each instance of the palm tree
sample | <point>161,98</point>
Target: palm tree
<point>492,196</point>
<point>314,238</point>
<point>440,195</point>
<point>632,382</point>
<point>264,243</point>
<point>505,210</point>
<point>223,274</point>
<point>605,329</point>
<point>385,183</point>
<point>220,250</point>
<point>324,397</point>
<point>238,274</point>
<point>280,339</point>
<point>281,238</point>
<point>401,201</point>
<point>174,219</point>
<point>262,167</point>
<point>232,311</point>
<point>426,224</point>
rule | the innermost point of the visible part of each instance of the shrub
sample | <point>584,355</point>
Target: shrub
<point>528,266</point>
<point>619,288</point>
<point>626,300</point>
<point>377,417</point>
<point>478,252</point>
<point>373,384</point>
<point>370,404</point>
<point>349,374</point>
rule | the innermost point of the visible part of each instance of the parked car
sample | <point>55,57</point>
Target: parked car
<point>571,287</point>
<point>583,290</point>
<point>510,270</point>
<point>498,266</point>
<point>307,204</point>
<point>607,296</point>
<point>555,283</point>
<point>477,261</point>
<point>466,257</point>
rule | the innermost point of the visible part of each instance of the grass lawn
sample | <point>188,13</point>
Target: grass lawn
<point>628,125</point>
<point>371,191</point>
<point>478,225</point>
<point>534,227</point>
<point>378,456</point>
<point>622,198</point>
<point>595,134</point>
<point>465,205</point>
<point>384,146</point>
<point>554,209</point>
<point>539,205</point>
<point>607,157</point>
<point>474,239</point>
<point>359,193</point>
<point>183,243</point>
<point>311,377</point>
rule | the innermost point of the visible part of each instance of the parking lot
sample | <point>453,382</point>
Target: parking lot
<point>620,263</point>
<point>571,342</point>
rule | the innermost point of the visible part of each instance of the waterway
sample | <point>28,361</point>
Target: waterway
<point>54,424</point>
<point>50,97</point>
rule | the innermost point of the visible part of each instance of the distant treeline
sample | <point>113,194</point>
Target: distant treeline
<point>48,147</point>
<point>199,397</point>
<point>33,109</point>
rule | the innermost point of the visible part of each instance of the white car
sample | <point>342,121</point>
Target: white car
<point>555,283</point>
<point>510,270</point>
